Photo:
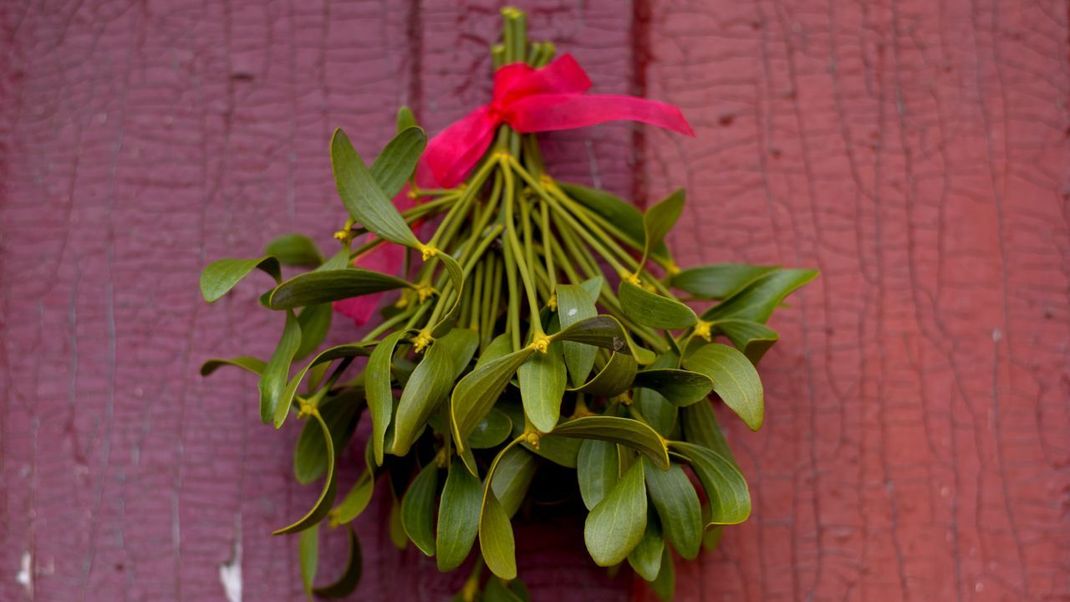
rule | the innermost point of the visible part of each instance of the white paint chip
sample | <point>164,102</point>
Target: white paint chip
<point>25,574</point>
<point>230,573</point>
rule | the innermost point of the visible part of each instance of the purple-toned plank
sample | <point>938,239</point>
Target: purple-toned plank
<point>144,140</point>
<point>141,141</point>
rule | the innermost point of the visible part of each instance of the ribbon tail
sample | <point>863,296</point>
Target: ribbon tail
<point>550,112</point>
<point>454,151</point>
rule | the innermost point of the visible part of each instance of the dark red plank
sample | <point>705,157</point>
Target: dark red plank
<point>916,152</point>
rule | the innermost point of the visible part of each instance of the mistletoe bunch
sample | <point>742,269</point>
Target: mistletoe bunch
<point>538,324</point>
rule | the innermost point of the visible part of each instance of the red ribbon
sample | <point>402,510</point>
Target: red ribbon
<point>529,100</point>
<point>537,100</point>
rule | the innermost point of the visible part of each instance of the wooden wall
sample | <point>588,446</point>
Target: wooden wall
<point>917,445</point>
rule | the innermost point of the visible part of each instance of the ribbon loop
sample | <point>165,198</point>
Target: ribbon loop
<point>529,100</point>
<point>532,100</point>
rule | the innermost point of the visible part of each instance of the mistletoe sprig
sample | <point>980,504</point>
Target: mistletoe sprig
<point>539,323</point>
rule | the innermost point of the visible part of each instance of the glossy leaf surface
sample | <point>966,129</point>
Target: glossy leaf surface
<point>458,517</point>
<point>654,310</point>
<point>326,497</point>
<point>220,276</point>
<point>724,484</point>
<point>316,287</point>
<point>542,385</point>
<point>362,195</point>
<point>418,509</point>
<point>430,384</point>
<point>294,250</point>
<point>625,431</point>
<point>678,508</point>
<point>616,525</point>
<point>734,379</point>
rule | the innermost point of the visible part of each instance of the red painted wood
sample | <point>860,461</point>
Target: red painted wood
<point>916,152</point>
<point>916,440</point>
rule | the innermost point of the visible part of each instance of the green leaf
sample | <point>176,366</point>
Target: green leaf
<point>497,591</point>
<point>458,517</point>
<point>646,558</point>
<point>378,388</point>
<point>223,274</point>
<point>418,509</point>
<point>405,119</point>
<point>490,431</point>
<point>395,165</point>
<point>350,578</point>
<point>316,287</point>
<point>724,483</point>
<point>315,321</point>
<point>593,287</point>
<point>308,552</point>
<point>752,338</point>
<point>274,378</point>
<point>575,304</point>
<point>701,427</point>
<point>475,394</point>
<point>517,587</point>
<point>719,280</point>
<point>245,362</point>
<point>362,195</point>
<point>469,460</point>
<point>542,386</point>
<point>613,379</point>
<point>711,538</point>
<point>326,498</point>
<point>652,406</point>
<point>456,275</point>
<point>757,300</point>
<point>338,261</point>
<point>395,529</point>
<point>516,469</point>
<point>625,431</point>
<point>606,332</point>
<point>355,502</point>
<point>678,508</point>
<point>659,220</point>
<point>616,525</point>
<point>618,212</point>
<point>294,250</point>
<point>652,309</point>
<point>734,379</point>
<point>310,457</point>
<point>430,383</point>
<point>597,470</point>
<point>680,387</point>
<point>496,537</point>
<point>559,450</point>
<point>327,355</point>
<point>665,585</point>
<point>499,346</point>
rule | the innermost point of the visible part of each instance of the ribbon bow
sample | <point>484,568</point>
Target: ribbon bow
<point>529,100</point>
<point>537,100</point>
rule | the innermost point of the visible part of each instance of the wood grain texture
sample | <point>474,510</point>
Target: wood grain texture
<point>916,441</point>
<point>915,446</point>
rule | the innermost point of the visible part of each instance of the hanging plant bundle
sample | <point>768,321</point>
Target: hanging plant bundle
<point>535,323</point>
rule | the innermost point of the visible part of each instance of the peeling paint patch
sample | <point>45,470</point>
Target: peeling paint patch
<point>25,574</point>
<point>230,573</point>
